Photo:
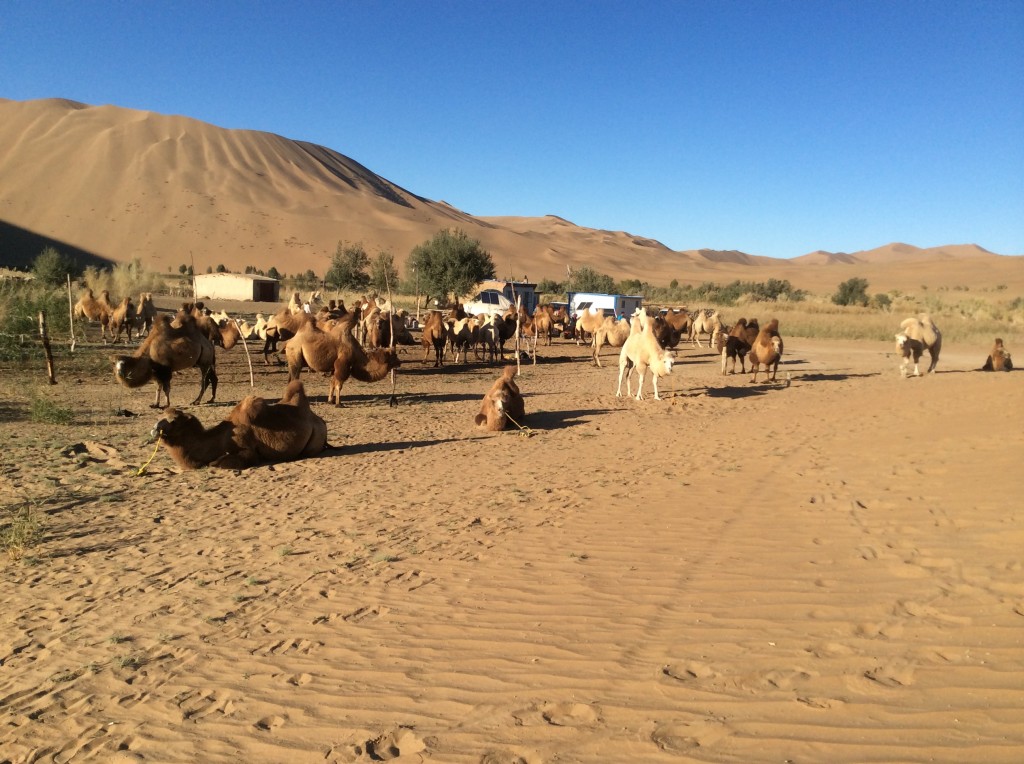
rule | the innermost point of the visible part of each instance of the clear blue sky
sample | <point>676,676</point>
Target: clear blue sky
<point>774,127</point>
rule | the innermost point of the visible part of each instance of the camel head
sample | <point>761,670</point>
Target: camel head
<point>176,427</point>
<point>901,340</point>
<point>777,344</point>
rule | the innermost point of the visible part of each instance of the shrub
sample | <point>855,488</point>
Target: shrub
<point>383,273</point>
<point>53,268</point>
<point>348,267</point>
<point>852,292</point>
<point>450,263</point>
<point>586,279</point>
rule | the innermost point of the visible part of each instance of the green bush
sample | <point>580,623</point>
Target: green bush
<point>852,292</point>
<point>348,268</point>
<point>53,268</point>
<point>450,263</point>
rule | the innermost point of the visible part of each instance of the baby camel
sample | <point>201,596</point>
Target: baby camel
<point>503,402</point>
<point>255,431</point>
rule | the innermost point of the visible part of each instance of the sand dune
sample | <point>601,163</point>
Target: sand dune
<point>121,184</point>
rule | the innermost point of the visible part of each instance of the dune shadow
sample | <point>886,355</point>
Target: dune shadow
<point>559,420</point>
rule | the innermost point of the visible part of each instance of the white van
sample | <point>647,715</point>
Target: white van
<point>487,301</point>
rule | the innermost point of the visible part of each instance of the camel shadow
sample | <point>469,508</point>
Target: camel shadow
<point>733,393</point>
<point>413,398</point>
<point>559,420</point>
<point>382,446</point>
<point>822,377</point>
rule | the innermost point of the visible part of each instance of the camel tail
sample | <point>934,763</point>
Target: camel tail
<point>295,394</point>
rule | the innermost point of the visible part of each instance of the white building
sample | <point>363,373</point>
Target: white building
<point>237,286</point>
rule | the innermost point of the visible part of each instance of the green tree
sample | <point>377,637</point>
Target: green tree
<point>348,267</point>
<point>53,267</point>
<point>549,286</point>
<point>183,269</point>
<point>383,272</point>
<point>221,268</point>
<point>450,263</point>
<point>852,292</point>
<point>272,273</point>
<point>586,279</point>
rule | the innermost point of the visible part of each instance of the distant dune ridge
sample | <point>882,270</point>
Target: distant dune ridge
<point>123,184</point>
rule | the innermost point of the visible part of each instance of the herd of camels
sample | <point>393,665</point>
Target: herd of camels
<point>360,343</point>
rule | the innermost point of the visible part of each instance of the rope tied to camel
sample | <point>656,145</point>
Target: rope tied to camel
<point>142,469</point>
<point>524,432</point>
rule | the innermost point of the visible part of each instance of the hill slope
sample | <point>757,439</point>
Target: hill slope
<point>121,184</point>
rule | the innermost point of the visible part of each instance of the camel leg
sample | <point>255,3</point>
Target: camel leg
<point>618,390</point>
<point>641,372</point>
<point>654,378</point>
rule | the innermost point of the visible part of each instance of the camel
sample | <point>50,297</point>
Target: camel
<point>916,335</point>
<point>435,334</point>
<point>502,403</point>
<point>737,344</point>
<point>642,351</point>
<point>544,318</point>
<point>611,332</point>
<point>122,319</point>
<point>705,322</point>
<point>90,308</point>
<point>337,352</point>
<point>165,350</point>
<point>144,314</point>
<point>588,322</point>
<point>256,431</point>
<point>296,305</point>
<point>766,350</point>
<point>464,334</point>
<point>282,327</point>
<point>998,359</point>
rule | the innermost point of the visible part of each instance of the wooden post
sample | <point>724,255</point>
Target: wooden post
<point>393,400</point>
<point>45,337</point>
<point>71,315</point>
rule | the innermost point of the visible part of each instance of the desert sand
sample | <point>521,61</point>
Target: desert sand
<point>828,568</point>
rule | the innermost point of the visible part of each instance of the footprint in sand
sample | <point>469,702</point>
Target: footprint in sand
<point>398,742</point>
<point>301,646</point>
<point>689,671</point>
<point>570,714</point>
<point>270,723</point>
<point>683,737</point>
<point>892,675</point>
<point>361,614</point>
<point>506,757</point>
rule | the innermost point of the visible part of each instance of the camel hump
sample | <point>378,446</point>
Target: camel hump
<point>295,394</point>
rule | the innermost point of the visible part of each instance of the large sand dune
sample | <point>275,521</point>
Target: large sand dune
<point>170,190</point>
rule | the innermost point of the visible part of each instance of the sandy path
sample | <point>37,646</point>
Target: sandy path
<point>825,571</point>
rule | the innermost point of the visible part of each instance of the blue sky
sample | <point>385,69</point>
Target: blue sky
<point>775,128</point>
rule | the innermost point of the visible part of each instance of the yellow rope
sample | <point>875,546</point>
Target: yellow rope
<point>151,458</point>
<point>526,432</point>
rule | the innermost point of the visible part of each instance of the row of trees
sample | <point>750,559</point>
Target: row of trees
<point>451,262</point>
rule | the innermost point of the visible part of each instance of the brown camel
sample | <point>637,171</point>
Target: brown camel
<point>337,352</point>
<point>256,431</point>
<point>122,320</point>
<point>766,350</point>
<point>503,402</point>
<point>165,350</point>
<point>90,308</point>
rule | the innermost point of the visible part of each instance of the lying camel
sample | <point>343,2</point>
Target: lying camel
<point>503,402</point>
<point>165,350</point>
<point>255,432</point>
<point>998,359</point>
